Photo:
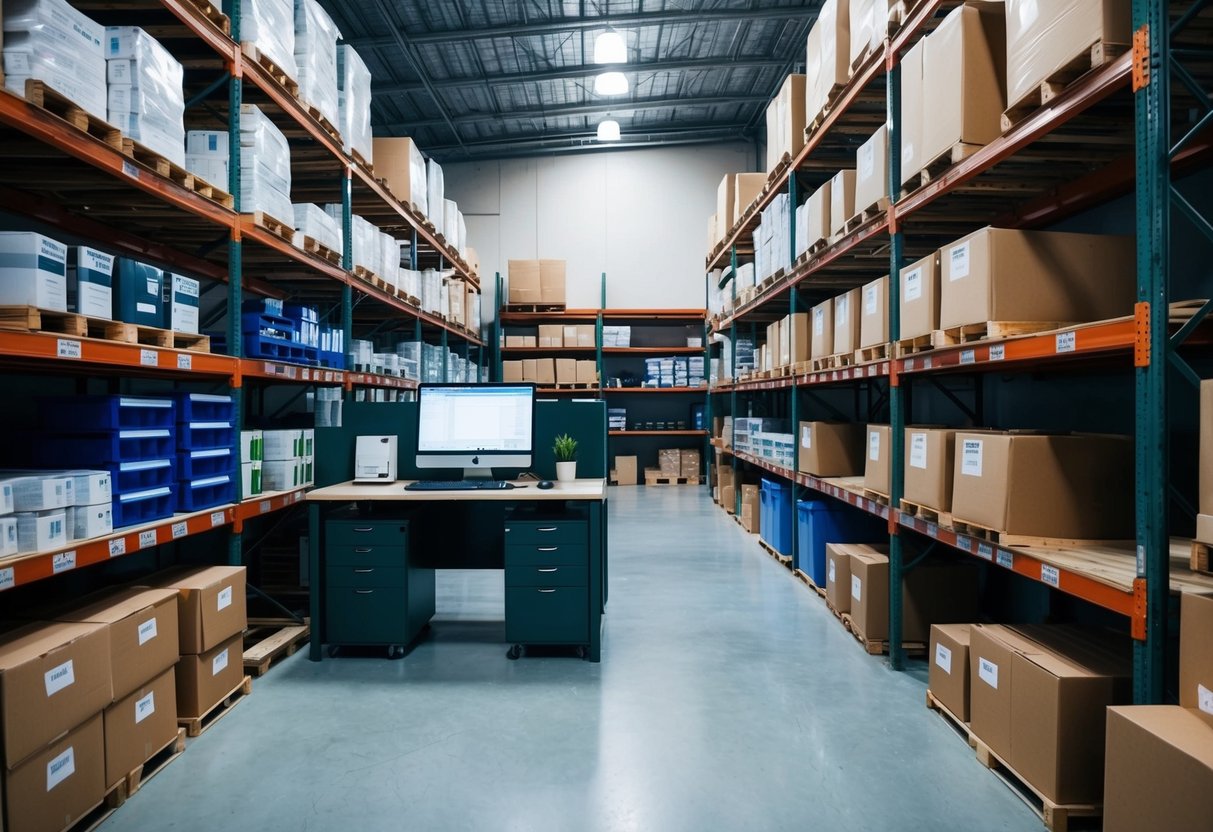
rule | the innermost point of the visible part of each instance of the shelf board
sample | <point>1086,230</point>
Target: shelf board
<point>265,504</point>
<point>657,433</point>
<point>76,354</point>
<point>652,350</point>
<point>507,316</point>
<point>655,390</point>
<point>567,391</point>
<point>549,350</point>
<point>859,372</point>
<point>690,315</point>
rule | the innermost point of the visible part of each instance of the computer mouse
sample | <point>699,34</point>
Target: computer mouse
<point>544,485</point>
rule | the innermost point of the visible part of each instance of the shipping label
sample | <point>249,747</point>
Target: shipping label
<point>988,671</point>
<point>806,436</point>
<point>60,768</point>
<point>958,260</point>
<point>225,598</point>
<point>147,631</point>
<point>856,588</point>
<point>219,663</point>
<point>58,678</point>
<point>943,658</point>
<point>145,707</point>
<point>918,450</point>
<point>1204,699</point>
<point>831,576</point>
<point>869,300</point>
<point>819,322</point>
<point>912,289</point>
<point>971,454</point>
<point>874,445</point>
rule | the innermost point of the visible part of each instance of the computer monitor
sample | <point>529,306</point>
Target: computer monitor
<point>475,427</point>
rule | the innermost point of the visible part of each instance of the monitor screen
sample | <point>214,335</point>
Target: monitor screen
<point>490,419</point>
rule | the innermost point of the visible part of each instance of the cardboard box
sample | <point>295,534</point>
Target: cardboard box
<point>726,200</point>
<point>818,209</point>
<point>60,783</point>
<point>398,160</point>
<point>181,300</point>
<point>587,371</point>
<point>1043,38</point>
<point>1158,772</point>
<point>1206,449</point>
<point>1196,653</point>
<point>838,575</point>
<point>551,335</point>
<point>566,370</point>
<point>139,724</point>
<point>90,281</point>
<point>877,469</point>
<point>870,593</point>
<point>511,371</point>
<point>794,338</point>
<point>830,449</point>
<point>842,200</point>
<point>786,122</point>
<point>919,297</point>
<point>861,25</point>
<point>586,336</point>
<point>625,470</point>
<point>568,335</point>
<point>35,271</point>
<point>211,602</point>
<point>991,648</point>
<point>141,625</point>
<point>874,314</point>
<point>774,351</point>
<point>1010,275</point>
<point>206,678</point>
<point>728,498</point>
<point>964,78</point>
<point>138,293</point>
<point>669,462</point>
<point>524,281</point>
<point>689,463</point>
<point>934,592</point>
<point>948,678</point>
<point>545,371</point>
<point>552,281</point>
<point>1069,487</point>
<point>714,234</point>
<point>750,509</point>
<point>530,369</point>
<point>827,55</point>
<point>822,341</point>
<point>53,676</point>
<point>930,455</point>
<point>912,115</point>
<point>514,342</point>
<point>872,171</point>
<point>746,190</point>
<point>848,308</point>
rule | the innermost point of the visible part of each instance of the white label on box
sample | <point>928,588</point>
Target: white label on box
<point>63,562</point>
<point>1050,575</point>
<point>918,450</point>
<point>147,538</point>
<point>185,361</point>
<point>58,678</point>
<point>1006,560</point>
<point>998,352</point>
<point>907,152</point>
<point>856,588</point>
<point>145,707</point>
<point>219,662</point>
<point>970,464</point>
<point>8,578</point>
<point>819,322</point>
<point>117,547</point>
<point>869,300</point>
<point>148,358</point>
<point>216,519</point>
<point>225,598</point>
<point>60,768</point>
<point>968,356</point>
<point>874,445</point>
<point>806,436</point>
<point>840,310</point>
<point>180,529</point>
<point>867,161</point>
<point>1066,342</point>
<point>1204,699</point>
<point>68,348</point>
<point>943,658</point>
<point>913,285</point>
<point>988,671</point>
<point>958,257</point>
<point>831,578</point>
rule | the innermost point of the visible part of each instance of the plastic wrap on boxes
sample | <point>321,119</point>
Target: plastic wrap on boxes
<point>206,156</point>
<point>145,97</point>
<point>450,221</point>
<point>354,101</point>
<point>435,186</point>
<point>410,283</point>
<point>389,259</point>
<point>270,26</point>
<point>50,41</point>
<point>316,58</point>
<point>269,147</point>
<point>312,221</point>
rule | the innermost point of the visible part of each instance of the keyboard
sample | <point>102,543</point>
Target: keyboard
<point>459,485</point>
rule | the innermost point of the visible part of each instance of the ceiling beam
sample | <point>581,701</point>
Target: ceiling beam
<point>571,73</point>
<point>587,141</point>
<point>561,25</point>
<point>616,108</point>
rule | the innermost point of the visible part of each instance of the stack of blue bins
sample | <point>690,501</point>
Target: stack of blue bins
<point>823,521</point>
<point>207,458</point>
<point>132,437</point>
<point>775,515</point>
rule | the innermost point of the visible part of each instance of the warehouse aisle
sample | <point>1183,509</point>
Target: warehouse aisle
<point>728,699</point>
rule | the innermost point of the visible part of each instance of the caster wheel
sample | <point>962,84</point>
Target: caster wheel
<point>582,652</point>
<point>514,652</point>
<point>332,651</point>
<point>396,651</point>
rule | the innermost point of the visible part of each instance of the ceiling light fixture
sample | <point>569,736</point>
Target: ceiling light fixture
<point>610,48</point>
<point>611,83</point>
<point>608,131</point>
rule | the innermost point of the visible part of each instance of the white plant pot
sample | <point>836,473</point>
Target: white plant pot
<point>566,471</point>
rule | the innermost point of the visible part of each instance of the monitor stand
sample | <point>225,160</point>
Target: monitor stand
<point>477,473</point>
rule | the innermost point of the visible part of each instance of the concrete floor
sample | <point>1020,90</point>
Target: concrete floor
<point>728,698</point>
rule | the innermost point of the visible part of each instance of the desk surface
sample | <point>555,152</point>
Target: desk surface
<point>348,492</point>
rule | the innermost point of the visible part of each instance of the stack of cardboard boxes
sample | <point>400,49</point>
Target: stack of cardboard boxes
<point>625,471</point>
<point>676,463</point>
<point>537,282</point>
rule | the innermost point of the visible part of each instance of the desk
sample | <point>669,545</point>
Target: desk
<point>588,496</point>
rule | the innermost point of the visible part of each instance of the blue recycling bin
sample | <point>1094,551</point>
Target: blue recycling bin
<point>775,515</point>
<point>823,521</point>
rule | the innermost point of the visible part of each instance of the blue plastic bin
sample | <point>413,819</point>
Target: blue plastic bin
<point>103,449</point>
<point>196,465</point>
<point>143,506</point>
<point>775,515</point>
<point>204,407</point>
<point>205,436</point>
<point>821,522</point>
<point>101,414</point>
<point>131,477</point>
<point>206,493</point>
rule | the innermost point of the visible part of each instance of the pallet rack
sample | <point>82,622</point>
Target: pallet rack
<point>599,317</point>
<point>82,186</point>
<point>1078,151</point>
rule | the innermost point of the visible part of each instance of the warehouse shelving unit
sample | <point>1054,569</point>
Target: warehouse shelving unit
<point>1080,150</point>
<point>84,186</point>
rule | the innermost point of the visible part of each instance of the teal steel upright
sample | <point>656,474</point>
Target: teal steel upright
<point>498,328</point>
<point>235,257</point>
<point>794,408</point>
<point>897,414</point>
<point>733,379</point>
<point>602,300</point>
<point>347,263</point>
<point>707,398</point>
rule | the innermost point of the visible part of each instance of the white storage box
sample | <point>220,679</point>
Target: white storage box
<point>8,536</point>
<point>181,301</point>
<point>91,521</point>
<point>33,271</point>
<point>42,493</point>
<point>281,474</point>
<point>282,444</point>
<point>39,531</point>
<point>91,488</point>
<point>250,479</point>
<point>251,445</point>
<point>90,281</point>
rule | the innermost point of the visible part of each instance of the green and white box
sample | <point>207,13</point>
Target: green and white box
<point>251,446</point>
<point>250,478</point>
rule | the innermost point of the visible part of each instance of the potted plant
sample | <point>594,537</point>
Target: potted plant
<point>564,447</point>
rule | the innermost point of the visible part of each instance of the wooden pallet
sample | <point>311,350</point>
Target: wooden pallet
<point>815,247</point>
<point>867,215</point>
<point>361,160</point>
<point>876,496</point>
<point>1000,538</point>
<point>863,55</point>
<point>833,362</point>
<point>194,726</point>
<point>959,726</point>
<point>255,55</point>
<point>877,647</point>
<point>313,246</point>
<point>269,639</point>
<point>785,560</point>
<point>955,154</point>
<point>40,95</point>
<point>1055,816</point>
<point>274,225</point>
<point>939,518</point>
<point>1090,58</point>
<point>33,319</point>
<point>100,813</point>
<point>991,331</point>
<point>574,385</point>
<point>815,123</point>
<point>534,307</point>
<point>655,477</point>
<point>876,352</point>
<point>809,582</point>
<point>324,123</point>
<point>913,346</point>
<point>1200,557</point>
<point>162,166</point>
<point>154,764</point>
<point>214,15</point>
<point>775,174</point>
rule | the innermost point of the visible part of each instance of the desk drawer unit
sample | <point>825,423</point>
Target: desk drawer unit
<point>366,555</point>
<point>366,533</point>
<point>546,554</point>
<point>547,615</point>
<point>367,615</point>
<point>545,533</point>
<point>523,576</point>
<point>367,577</point>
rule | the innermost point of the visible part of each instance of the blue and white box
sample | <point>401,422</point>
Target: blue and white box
<point>91,488</point>
<point>40,492</point>
<point>42,530</point>
<point>138,293</point>
<point>33,271</point>
<point>90,521</point>
<point>8,536</point>
<point>90,282</point>
<point>181,295</point>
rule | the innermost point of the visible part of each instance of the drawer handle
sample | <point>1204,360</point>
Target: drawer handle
<point>550,569</point>
<point>362,550</point>
<point>364,529</point>
<point>363,571</point>
<point>548,529</point>
<point>545,591</point>
<point>364,591</point>
<point>548,548</point>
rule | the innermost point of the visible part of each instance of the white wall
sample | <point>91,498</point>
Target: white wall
<point>640,216</point>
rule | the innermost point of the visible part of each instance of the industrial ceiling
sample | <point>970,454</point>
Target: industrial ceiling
<point>478,79</point>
